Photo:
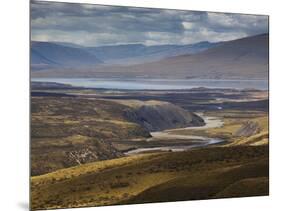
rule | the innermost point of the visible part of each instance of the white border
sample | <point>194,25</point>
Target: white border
<point>15,103</point>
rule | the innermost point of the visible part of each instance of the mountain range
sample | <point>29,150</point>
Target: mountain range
<point>238,59</point>
<point>139,53</point>
<point>45,55</point>
<point>69,55</point>
<point>245,58</point>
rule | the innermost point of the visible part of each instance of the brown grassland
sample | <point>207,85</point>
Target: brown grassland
<point>78,160</point>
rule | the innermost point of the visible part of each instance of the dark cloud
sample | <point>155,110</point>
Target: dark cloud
<point>93,25</point>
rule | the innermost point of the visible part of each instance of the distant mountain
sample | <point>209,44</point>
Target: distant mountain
<point>245,58</point>
<point>68,44</point>
<point>242,58</point>
<point>138,53</point>
<point>51,55</point>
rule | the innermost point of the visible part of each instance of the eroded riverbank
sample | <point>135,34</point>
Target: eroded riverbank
<point>188,141</point>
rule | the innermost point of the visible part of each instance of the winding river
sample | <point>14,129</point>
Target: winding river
<point>191,140</point>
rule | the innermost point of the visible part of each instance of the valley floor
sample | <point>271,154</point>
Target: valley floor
<point>237,166</point>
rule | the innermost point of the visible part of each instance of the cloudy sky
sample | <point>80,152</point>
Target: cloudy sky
<point>95,25</point>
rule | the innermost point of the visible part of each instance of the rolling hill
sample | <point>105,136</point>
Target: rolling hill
<point>64,135</point>
<point>156,115</point>
<point>157,177</point>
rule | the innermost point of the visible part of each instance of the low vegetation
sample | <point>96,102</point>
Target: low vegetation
<point>196,174</point>
<point>78,145</point>
<point>67,131</point>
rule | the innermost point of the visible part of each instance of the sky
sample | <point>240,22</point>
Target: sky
<point>97,25</point>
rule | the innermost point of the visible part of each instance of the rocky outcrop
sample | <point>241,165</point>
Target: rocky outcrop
<point>157,115</point>
<point>49,155</point>
<point>94,151</point>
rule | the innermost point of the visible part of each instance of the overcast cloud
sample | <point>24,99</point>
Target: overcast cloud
<point>95,25</point>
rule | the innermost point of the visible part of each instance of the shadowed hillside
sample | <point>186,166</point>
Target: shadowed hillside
<point>45,55</point>
<point>157,115</point>
<point>65,135</point>
<point>69,131</point>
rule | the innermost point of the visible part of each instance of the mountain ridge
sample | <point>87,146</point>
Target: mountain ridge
<point>54,55</point>
<point>245,58</point>
<point>111,54</point>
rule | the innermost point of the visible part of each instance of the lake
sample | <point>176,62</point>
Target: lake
<point>157,84</point>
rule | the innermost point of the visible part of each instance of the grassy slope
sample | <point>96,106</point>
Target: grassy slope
<point>217,183</point>
<point>254,186</point>
<point>236,169</point>
<point>69,131</point>
<point>64,135</point>
<point>196,174</point>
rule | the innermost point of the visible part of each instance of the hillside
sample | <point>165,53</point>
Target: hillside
<point>157,115</point>
<point>196,174</point>
<point>45,55</point>
<point>64,135</point>
<point>245,58</point>
<point>51,55</point>
<point>70,147</point>
<point>139,53</point>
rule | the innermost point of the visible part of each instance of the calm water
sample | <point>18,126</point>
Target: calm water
<point>157,84</point>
